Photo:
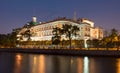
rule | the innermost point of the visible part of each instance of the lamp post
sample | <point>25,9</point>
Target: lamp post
<point>85,42</point>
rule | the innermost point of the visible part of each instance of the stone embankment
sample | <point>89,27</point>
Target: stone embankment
<point>101,53</point>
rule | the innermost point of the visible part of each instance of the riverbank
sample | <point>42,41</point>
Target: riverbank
<point>100,53</point>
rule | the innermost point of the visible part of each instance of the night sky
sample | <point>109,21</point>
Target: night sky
<point>16,13</point>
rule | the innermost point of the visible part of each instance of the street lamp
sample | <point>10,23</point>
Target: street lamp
<point>85,42</point>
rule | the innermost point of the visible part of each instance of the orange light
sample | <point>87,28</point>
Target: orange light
<point>118,65</point>
<point>18,57</point>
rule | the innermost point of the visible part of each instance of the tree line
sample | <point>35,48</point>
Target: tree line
<point>8,40</point>
<point>69,32</point>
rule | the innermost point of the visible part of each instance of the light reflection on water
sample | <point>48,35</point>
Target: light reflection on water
<point>80,65</point>
<point>29,63</point>
<point>118,65</point>
<point>86,65</point>
<point>37,64</point>
<point>18,60</point>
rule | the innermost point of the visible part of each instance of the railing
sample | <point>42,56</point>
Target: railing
<point>63,47</point>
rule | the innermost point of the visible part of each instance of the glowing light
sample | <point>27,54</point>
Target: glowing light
<point>42,64</point>
<point>71,61</point>
<point>80,65</point>
<point>38,64</point>
<point>118,65</point>
<point>85,42</point>
<point>34,60</point>
<point>18,60</point>
<point>18,57</point>
<point>86,65</point>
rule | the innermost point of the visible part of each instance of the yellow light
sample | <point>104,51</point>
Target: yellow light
<point>18,60</point>
<point>80,65</point>
<point>118,65</point>
<point>18,57</point>
<point>35,60</point>
<point>41,64</point>
<point>38,64</point>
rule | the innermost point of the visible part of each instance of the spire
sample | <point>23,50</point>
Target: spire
<point>75,18</point>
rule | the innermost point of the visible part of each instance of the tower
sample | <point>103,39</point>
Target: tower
<point>34,19</point>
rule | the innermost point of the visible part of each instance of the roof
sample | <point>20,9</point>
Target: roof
<point>58,19</point>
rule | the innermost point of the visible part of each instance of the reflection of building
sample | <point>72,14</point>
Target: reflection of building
<point>118,65</point>
<point>37,63</point>
<point>43,30</point>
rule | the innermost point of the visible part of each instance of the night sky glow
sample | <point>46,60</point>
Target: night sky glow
<point>16,13</point>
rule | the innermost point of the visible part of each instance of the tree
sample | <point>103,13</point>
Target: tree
<point>106,33</point>
<point>114,37</point>
<point>112,40</point>
<point>69,31</point>
<point>56,36</point>
<point>27,33</point>
<point>75,32</point>
<point>8,40</point>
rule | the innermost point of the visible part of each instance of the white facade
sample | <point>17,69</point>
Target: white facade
<point>43,31</point>
<point>84,30</point>
<point>91,23</point>
<point>96,33</point>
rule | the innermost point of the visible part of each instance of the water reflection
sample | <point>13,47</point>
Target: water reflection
<point>52,64</point>
<point>92,66</point>
<point>37,64</point>
<point>86,65</point>
<point>42,64</point>
<point>80,65</point>
<point>58,64</point>
<point>118,65</point>
<point>29,63</point>
<point>18,65</point>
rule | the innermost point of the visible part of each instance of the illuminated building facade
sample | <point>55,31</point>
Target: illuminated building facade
<point>96,33</point>
<point>43,30</point>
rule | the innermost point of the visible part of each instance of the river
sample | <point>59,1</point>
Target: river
<point>39,63</point>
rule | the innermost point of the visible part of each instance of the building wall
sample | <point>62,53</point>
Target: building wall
<point>96,33</point>
<point>91,23</point>
<point>84,30</point>
<point>43,31</point>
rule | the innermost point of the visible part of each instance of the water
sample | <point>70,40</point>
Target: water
<point>32,63</point>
